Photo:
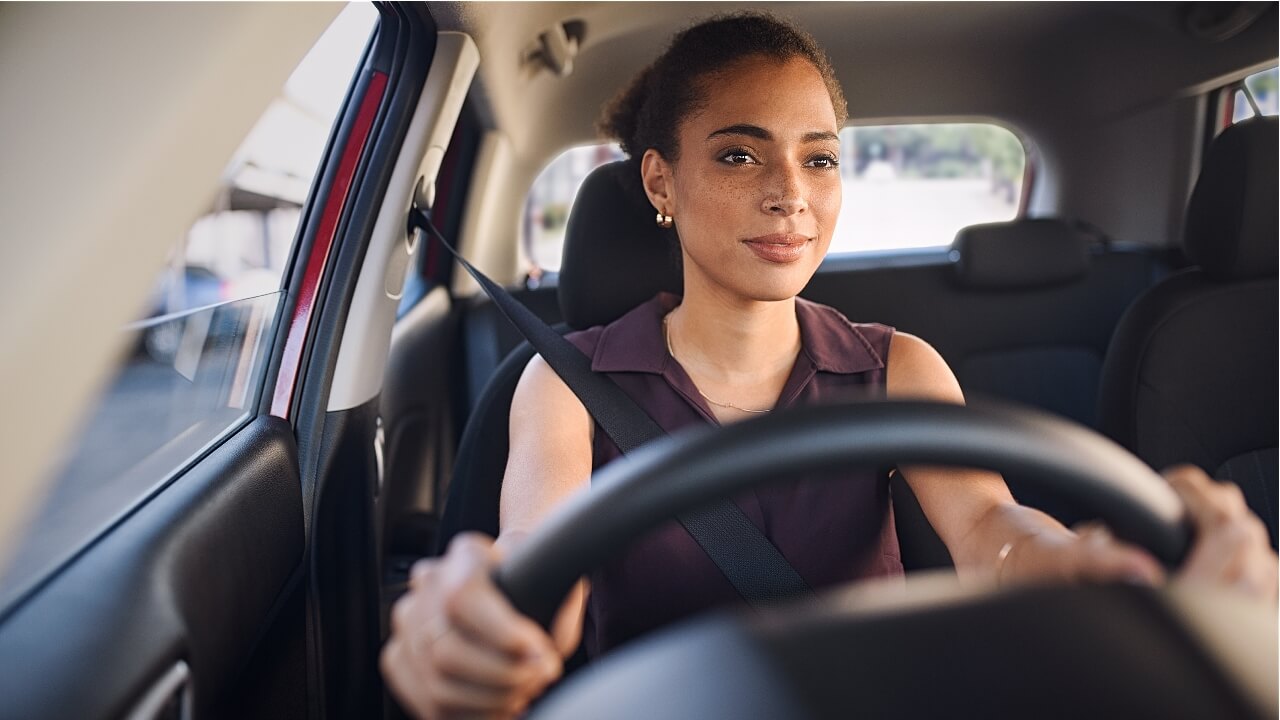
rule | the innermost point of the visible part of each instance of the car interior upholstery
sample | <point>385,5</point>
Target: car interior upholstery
<point>1191,373</point>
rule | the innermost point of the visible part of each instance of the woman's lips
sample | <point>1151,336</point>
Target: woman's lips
<point>780,249</point>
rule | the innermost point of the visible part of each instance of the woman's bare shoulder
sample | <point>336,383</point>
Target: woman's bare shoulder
<point>916,370</point>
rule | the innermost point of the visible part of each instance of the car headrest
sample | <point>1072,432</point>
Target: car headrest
<point>615,255</point>
<point>1021,253</point>
<point>1231,229</point>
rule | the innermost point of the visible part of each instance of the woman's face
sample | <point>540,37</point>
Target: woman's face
<point>755,192</point>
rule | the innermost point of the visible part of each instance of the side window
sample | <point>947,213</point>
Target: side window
<point>194,361</point>
<point>915,186</point>
<point>1262,87</point>
<point>546,209</point>
<point>905,186</point>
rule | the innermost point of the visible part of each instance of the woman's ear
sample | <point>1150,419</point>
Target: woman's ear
<point>656,175</point>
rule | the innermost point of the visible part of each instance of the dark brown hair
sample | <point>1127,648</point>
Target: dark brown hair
<point>648,112</point>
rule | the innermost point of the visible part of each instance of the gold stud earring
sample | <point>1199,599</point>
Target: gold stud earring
<point>665,221</point>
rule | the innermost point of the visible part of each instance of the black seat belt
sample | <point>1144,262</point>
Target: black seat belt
<point>751,563</point>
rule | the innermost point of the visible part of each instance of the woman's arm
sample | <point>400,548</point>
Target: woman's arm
<point>971,510</point>
<point>549,460</point>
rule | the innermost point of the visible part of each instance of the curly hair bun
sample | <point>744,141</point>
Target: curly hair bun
<point>648,111</point>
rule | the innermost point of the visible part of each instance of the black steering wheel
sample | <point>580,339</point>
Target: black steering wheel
<point>696,467</point>
<point>736,665</point>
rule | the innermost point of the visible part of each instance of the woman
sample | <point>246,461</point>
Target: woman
<point>741,155</point>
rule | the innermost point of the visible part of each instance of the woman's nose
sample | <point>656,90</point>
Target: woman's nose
<point>785,195</point>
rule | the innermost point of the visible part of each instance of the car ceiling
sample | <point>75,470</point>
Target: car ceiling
<point>1029,64</point>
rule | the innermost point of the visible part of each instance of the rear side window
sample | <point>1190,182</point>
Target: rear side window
<point>546,209</point>
<point>905,187</point>
<point>194,361</point>
<point>915,186</point>
<point>1262,87</point>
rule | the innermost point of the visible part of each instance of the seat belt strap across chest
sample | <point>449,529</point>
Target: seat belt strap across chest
<point>751,563</point>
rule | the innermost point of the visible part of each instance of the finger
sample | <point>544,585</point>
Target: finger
<point>458,657</point>
<point>428,673</point>
<point>409,613</point>
<point>403,676</point>
<point>451,696</point>
<point>1101,557</point>
<point>1209,503</point>
<point>476,608</point>
<point>474,548</point>
<point>490,619</point>
<point>1231,546</point>
<point>1237,555</point>
<point>491,622</point>
<point>480,611</point>
<point>423,573</point>
<point>1258,575</point>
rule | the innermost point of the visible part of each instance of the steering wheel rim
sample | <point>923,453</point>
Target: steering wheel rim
<point>693,468</point>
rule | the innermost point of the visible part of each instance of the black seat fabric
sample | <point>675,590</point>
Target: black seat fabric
<point>615,256</point>
<point>471,502</point>
<point>1191,375</point>
<point>1035,337</point>
<point>1032,253</point>
<point>487,337</point>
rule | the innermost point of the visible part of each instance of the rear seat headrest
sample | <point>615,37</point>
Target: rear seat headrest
<point>1231,229</point>
<point>1021,253</point>
<point>615,256</point>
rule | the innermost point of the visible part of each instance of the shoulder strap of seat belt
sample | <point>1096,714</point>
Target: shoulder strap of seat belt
<point>751,563</point>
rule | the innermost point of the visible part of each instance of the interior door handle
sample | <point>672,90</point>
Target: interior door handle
<point>168,699</point>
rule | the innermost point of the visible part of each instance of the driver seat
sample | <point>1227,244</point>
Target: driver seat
<point>615,257</point>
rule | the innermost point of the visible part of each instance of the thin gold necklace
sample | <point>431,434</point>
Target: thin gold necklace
<point>666,335</point>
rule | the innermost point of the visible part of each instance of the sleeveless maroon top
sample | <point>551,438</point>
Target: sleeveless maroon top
<point>832,530</point>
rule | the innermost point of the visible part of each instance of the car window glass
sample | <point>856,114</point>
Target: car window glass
<point>194,362</point>
<point>915,186</point>
<point>905,186</point>
<point>1262,85</point>
<point>546,209</point>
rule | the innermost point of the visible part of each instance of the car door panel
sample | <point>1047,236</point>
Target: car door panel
<point>196,574</point>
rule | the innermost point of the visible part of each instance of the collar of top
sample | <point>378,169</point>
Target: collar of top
<point>634,342</point>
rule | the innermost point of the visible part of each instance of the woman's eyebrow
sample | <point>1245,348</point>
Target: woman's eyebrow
<point>817,135</point>
<point>760,133</point>
<point>754,131</point>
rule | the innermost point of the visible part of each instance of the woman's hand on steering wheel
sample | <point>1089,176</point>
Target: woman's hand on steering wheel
<point>1231,547</point>
<point>457,647</point>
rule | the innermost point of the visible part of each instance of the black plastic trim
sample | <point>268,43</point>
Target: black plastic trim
<point>176,581</point>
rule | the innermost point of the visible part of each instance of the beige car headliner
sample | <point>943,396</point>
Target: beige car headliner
<point>1023,63</point>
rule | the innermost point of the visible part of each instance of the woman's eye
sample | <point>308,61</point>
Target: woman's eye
<point>738,157</point>
<point>824,161</point>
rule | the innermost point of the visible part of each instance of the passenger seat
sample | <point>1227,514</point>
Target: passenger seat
<point>1022,311</point>
<point>1191,375</point>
